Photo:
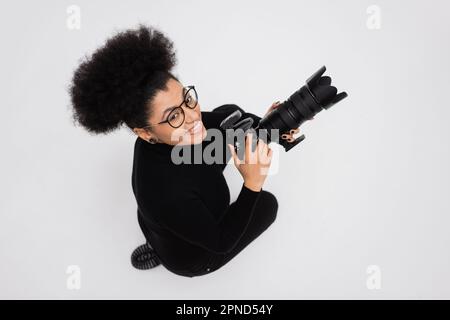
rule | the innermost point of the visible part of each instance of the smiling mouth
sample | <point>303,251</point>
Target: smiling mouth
<point>196,128</point>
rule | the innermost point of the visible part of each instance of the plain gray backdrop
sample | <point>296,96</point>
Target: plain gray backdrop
<point>369,186</point>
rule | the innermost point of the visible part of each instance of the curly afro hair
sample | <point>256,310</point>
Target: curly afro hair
<point>118,82</point>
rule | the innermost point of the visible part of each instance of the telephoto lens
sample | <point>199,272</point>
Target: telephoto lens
<point>317,94</point>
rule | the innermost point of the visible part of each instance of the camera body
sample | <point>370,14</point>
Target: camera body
<point>317,94</point>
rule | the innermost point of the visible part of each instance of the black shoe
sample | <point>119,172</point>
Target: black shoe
<point>144,257</point>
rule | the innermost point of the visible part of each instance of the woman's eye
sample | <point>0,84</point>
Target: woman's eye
<point>174,116</point>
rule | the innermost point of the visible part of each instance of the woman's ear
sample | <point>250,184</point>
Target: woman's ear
<point>142,133</point>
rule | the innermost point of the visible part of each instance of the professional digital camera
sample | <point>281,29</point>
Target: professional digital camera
<point>317,94</point>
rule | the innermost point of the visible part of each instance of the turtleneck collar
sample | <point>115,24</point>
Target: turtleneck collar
<point>161,148</point>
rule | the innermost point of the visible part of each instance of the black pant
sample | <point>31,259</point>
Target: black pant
<point>264,215</point>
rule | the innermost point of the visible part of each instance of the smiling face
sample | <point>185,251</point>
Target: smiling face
<point>191,130</point>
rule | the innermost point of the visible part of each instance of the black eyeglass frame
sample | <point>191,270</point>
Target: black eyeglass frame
<point>189,88</point>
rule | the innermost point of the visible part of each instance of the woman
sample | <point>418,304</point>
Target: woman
<point>184,209</point>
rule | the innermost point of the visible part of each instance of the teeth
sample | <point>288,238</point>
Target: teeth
<point>196,127</point>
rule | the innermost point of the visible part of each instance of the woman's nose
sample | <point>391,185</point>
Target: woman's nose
<point>191,115</point>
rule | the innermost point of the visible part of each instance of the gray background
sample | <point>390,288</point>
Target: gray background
<point>369,185</point>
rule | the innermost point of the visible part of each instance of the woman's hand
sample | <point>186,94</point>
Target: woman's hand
<point>272,107</point>
<point>286,136</point>
<point>290,136</point>
<point>255,165</point>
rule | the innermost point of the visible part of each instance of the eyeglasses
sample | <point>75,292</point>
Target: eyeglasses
<point>176,116</point>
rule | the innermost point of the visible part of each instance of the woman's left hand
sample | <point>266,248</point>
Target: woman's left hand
<point>272,107</point>
<point>286,136</point>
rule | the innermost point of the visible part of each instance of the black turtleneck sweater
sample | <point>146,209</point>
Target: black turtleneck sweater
<point>184,210</point>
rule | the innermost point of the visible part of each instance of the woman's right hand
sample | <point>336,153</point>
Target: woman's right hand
<point>255,165</point>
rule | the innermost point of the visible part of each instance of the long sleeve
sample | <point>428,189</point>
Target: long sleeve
<point>190,219</point>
